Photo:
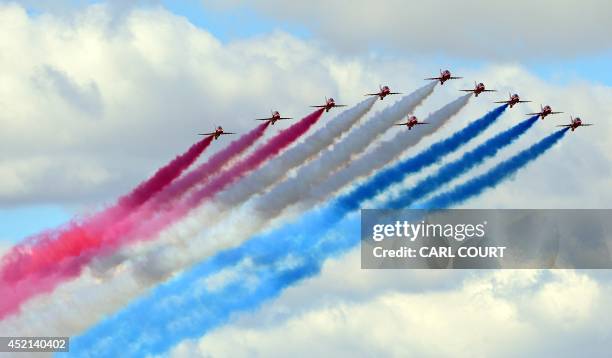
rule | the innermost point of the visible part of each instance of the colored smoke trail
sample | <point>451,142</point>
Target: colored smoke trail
<point>107,300</point>
<point>123,232</point>
<point>255,159</point>
<point>182,250</point>
<point>317,219</point>
<point>264,260</point>
<point>468,161</point>
<point>209,168</point>
<point>272,147</point>
<point>494,176</point>
<point>268,150</point>
<point>163,176</point>
<point>123,235</point>
<point>161,315</point>
<point>40,251</point>
<point>381,181</point>
<point>93,241</point>
<point>32,259</point>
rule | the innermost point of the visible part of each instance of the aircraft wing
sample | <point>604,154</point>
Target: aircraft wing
<point>467,90</point>
<point>340,105</point>
<point>555,112</point>
<point>401,124</point>
<point>501,102</point>
<point>372,94</point>
<point>206,133</point>
<point>489,90</point>
<point>285,118</point>
<point>532,114</point>
<point>587,124</point>
<point>263,119</point>
<point>395,92</point>
<point>565,125</point>
<point>433,78</point>
<point>523,101</point>
<point>422,123</point>
<point>455,78</point>
<point>323,106</point>
<point>227,133</point>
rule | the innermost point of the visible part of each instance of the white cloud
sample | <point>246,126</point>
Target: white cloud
<point>503,313</point>
<point>516,30</point>
<point>78,94</point>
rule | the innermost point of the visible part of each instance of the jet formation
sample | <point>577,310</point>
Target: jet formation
<point>411,120</point>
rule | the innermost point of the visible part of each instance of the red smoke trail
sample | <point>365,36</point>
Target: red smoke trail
<point>220,182</point>
<point>119,234</point>
<point>53,246</point>
<point>212,165</point>
<point>76,247</point>
<point>37,254</point>
<point>272,147</point>
<point>164,176</point>
<point>268,150</point>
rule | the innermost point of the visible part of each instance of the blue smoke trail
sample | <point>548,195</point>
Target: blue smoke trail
<point>122,334</point>
<point>397,173</point>
<point>154,310</point>
<point>274,274</point>
<point>468,161</point>
<point>494,176</point>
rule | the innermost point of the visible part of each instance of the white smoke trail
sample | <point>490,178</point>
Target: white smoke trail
<point>271,172</point>
<point>309,174</point>
<point>276,168</point>
<point>383,154</point>
<point>257,213</point>
<point>342,153</point>
<point>172,249</point>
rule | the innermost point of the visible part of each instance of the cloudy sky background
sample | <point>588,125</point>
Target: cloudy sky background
<point>96,95</point>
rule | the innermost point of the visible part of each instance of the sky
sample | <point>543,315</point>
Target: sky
<point>553,59</point>
<point>234,21</point>
<point>96,95</point>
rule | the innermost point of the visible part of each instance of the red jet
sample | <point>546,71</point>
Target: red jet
<point>478,89</point>
<point>411,122</point>
<point>329,104</point>
<point>218,132</point>
<point>274,116</point>
<point>575,123</point>
<point>384,91</point>
<point>444,76</point>
<point>514,99</point>
<point>544,111</point>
